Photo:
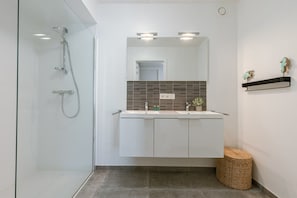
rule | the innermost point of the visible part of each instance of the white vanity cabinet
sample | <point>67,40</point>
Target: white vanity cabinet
<point>136,137</point>
<point>171,134</point>
<point>206,138</point>
<point>171,138</point>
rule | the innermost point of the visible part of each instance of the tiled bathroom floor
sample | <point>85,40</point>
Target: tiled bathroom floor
<point>144,182</point>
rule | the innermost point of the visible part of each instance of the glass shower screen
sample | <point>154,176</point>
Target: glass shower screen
<point>55,100</point>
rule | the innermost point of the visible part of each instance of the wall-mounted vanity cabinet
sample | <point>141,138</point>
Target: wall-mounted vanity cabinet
<point>171,134</point>
<point>137,137</point>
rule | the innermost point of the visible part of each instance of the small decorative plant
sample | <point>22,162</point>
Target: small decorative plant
<point>285,63</point>
<point>249,75</point>
<point>198,101</point>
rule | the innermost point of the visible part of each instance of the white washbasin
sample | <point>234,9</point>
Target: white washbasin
<point>202,112</point>
<point>196,112</point>
<point>183,112</point>
<point>170,114</point>
<point>141,112</point>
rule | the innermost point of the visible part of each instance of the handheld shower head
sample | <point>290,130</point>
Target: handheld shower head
<point>60,29</point>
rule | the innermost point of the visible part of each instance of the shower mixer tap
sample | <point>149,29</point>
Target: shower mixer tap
<point>63,69</point>
<point>62,92</point>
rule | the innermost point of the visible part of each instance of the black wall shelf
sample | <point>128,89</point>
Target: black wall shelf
<point>273,83</point>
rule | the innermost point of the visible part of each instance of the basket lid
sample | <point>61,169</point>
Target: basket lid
<point>235,153</point>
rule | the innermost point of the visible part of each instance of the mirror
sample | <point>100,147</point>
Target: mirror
<point>168,59</point>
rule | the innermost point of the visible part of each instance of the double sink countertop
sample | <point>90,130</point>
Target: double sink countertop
<point>171,114</point>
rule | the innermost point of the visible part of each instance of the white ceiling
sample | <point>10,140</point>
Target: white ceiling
<point>155,1</point>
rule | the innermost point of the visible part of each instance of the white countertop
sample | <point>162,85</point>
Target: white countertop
<point>171,114</point>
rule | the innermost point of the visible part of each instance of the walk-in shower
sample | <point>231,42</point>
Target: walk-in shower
<point>62,31</point>
<point>55,83</point>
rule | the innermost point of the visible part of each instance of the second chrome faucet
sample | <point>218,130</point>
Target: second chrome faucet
<point>188,106</point>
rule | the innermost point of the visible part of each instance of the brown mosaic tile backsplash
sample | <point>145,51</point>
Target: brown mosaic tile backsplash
<point>185,91</point>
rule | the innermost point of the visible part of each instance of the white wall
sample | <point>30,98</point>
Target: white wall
<point>118,21</point>
<point>8,65</point>
<point>267,32</point>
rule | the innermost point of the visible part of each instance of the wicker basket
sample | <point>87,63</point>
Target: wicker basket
<point>235,169</point>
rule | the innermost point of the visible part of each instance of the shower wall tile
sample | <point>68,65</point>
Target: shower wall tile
<point>138,92</point>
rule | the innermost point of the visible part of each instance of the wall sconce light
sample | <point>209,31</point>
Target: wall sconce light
<point>148,36</point>
<point>187,35</point>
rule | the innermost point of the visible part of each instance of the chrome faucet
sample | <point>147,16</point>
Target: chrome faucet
<point>145,105</point>
<point>188,106</point>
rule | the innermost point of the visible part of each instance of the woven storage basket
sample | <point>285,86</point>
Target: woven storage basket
<point>235,169</point>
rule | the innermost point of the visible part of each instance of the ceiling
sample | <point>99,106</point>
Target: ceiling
<point>155,1</point>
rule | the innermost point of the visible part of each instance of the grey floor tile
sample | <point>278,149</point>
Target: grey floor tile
<point>164,179</point>
<point>126,179</point>
<point>256,194</point>
<point>179,193</point>
<point>224,194</point>
<point>234,194</point>
<point>168,194</point>
<point>205,180</point>
<point>122,194</point>
<point>161,182</point>
<point>93,184</point>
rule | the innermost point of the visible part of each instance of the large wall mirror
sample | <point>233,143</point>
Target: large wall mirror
<point>167,58</point>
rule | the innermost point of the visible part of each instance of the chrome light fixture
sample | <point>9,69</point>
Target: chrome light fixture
<point>187,35</point>
<point>148,36</point>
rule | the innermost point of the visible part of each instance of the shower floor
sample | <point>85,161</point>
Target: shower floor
<point>51,184</point>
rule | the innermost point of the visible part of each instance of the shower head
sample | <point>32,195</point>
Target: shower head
<point>61,30</point>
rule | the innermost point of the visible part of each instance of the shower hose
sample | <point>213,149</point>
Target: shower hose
<point>75,85</point>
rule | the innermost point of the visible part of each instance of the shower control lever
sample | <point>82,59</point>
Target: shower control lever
<point>62,92</point>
